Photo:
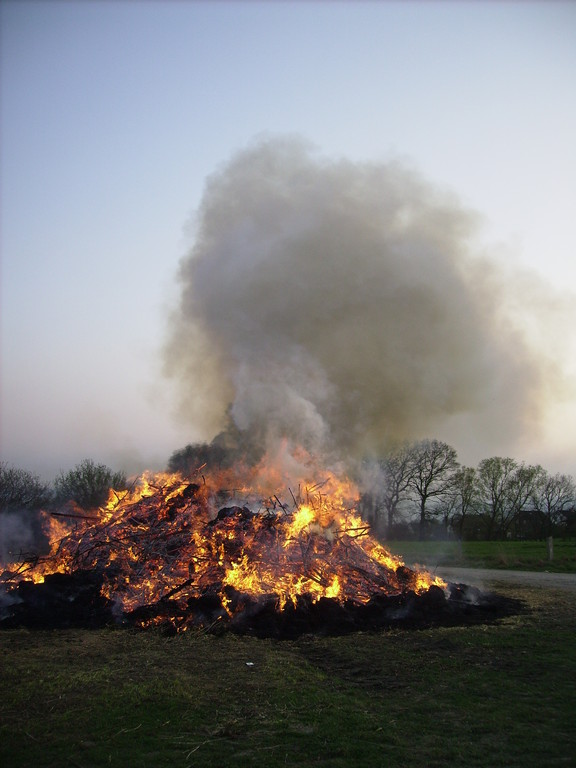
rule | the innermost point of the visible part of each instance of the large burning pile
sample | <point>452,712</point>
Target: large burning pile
<point>213,554</point>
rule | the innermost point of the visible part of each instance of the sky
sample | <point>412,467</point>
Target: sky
<point>114,115</point>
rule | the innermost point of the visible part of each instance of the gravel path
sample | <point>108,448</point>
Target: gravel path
<point>484,577</point>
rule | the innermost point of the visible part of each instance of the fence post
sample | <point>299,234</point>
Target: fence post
<point>550,546</point>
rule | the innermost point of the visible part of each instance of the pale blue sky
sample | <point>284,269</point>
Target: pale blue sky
<point>113,114</point>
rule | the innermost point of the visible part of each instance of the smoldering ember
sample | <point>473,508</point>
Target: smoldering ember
<point>214,553</point>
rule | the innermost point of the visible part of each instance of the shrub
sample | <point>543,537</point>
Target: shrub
<point>88,484</point>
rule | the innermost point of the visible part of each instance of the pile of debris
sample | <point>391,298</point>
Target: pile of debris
<point>164,555</point>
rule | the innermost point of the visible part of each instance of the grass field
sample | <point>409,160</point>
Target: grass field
<point>497,695</point>
<point>514,555</point>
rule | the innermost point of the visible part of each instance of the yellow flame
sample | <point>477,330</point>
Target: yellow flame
<point>297,555</point>
<point>300,520</point>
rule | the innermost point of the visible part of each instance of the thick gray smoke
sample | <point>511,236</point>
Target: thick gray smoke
<point>340,304</point>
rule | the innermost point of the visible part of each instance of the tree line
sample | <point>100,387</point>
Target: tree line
<point>23,495</point>
<point>422,491</point>
<point>87,485</point>
<point>416,490</point>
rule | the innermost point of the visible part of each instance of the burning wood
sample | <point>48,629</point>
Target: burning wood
<point>184,554</point>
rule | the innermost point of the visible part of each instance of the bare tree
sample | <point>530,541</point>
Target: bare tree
<point>493,480</point>
<point>521,486</point>
<point>22,496</point>
<point>434,464</point>
<point>461,500</point>
<point>21,490</point>
<point>553,496</point>
<point>398,469</point>
<point>505,488</point>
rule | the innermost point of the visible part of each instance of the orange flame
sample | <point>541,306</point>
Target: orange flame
<point>168,538</point>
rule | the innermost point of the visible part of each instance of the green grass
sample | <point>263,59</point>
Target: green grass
<point>514,555</point>
<point>498,695</point>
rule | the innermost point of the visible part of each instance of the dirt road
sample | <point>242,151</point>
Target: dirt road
<point>486,577</point>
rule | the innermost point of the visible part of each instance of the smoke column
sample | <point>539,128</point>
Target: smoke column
<point>341,304</point>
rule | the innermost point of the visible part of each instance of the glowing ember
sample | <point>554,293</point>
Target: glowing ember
<point>203,551</point>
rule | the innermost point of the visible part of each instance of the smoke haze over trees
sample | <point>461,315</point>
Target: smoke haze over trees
<point>415,490</point>
<point>342,305</point>
<point>419,490</point>
<point>23,497</point>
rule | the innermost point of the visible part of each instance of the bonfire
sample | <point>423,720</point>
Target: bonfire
<point>215,552</point>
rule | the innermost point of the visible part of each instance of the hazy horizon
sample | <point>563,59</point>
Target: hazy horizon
<point>127,179</point>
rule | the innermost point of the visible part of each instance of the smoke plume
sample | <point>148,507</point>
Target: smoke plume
<point>341,305</point>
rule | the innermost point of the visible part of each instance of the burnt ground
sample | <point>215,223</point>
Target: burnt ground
<point>74,601</point>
